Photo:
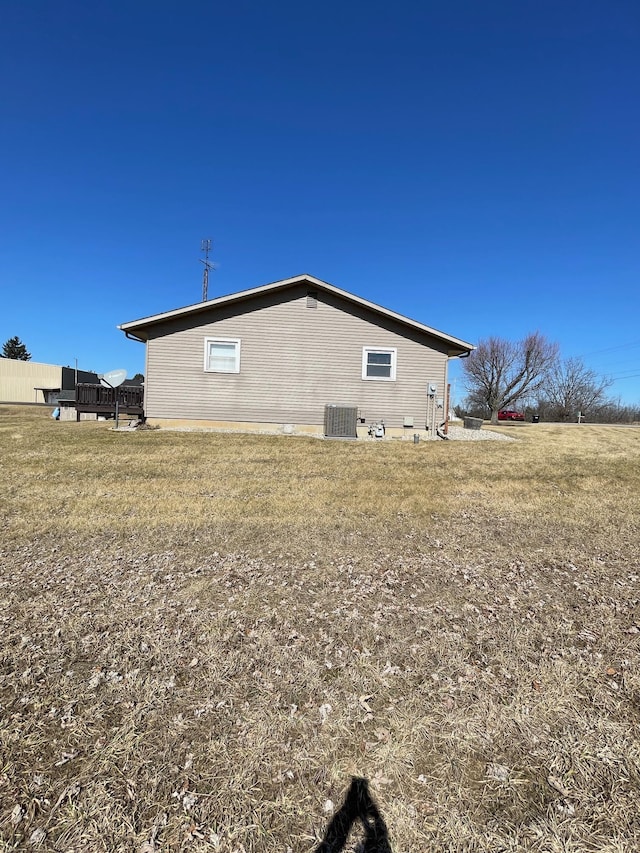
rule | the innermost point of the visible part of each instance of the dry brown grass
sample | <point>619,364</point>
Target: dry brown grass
<point>205,635</point>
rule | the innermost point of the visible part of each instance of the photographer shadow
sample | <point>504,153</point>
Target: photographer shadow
<point>358,806</point>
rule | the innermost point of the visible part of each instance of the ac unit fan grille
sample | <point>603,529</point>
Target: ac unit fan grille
<point>340,421</point>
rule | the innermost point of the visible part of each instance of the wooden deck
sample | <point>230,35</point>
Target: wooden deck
<point>102,401</point>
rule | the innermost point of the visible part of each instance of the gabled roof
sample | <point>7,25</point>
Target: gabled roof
<point>139,328</point>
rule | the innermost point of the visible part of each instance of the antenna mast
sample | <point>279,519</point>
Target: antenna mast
<point>205,246</point>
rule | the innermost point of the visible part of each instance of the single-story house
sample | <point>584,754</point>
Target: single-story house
<point>297,355</point>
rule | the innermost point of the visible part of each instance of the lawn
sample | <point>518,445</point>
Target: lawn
<point>206,635</point>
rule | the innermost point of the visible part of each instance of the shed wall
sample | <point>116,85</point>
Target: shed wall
<point>18,379</point>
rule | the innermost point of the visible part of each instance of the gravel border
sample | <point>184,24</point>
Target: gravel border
<point>457,433</point>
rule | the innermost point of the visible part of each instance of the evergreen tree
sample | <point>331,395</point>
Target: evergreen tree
<point>14,348</point>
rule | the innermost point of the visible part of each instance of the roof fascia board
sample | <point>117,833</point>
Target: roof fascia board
<point>238,296</point>
<point>242,295</point>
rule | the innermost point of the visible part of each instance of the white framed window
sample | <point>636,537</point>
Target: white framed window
<point>222,355</point>
<point>379,363</point>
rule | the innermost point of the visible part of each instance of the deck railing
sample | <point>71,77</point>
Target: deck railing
<point>101,400</point>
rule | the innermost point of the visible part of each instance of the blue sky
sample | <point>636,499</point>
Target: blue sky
<point>472,165</point>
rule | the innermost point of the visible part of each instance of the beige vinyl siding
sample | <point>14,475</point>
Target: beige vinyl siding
<point>295,360</point>
<point>18,379</point>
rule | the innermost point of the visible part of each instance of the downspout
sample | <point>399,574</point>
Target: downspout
<point>132,337</point>
<point>445,424</point>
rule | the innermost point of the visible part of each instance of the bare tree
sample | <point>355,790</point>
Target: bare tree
<point>501,372</point>
<point>572,387</point>
<point>614,411</point>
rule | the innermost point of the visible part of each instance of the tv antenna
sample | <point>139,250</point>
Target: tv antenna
<point>205,246</point>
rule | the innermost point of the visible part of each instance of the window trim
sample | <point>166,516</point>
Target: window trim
<point>393,351</point>
<point>209,341</point>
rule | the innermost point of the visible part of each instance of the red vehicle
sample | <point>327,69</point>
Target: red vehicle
<point>509,415</point>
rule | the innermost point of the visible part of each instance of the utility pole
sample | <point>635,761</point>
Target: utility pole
<point>205,246</point>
